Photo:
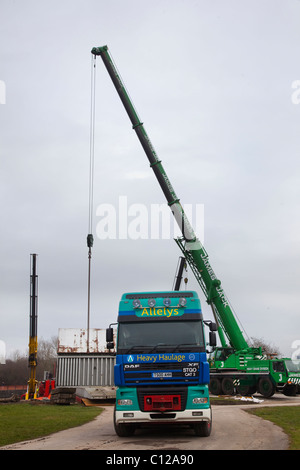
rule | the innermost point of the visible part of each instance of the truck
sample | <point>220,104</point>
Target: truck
<point>235,365</point>
<point>161,371</point>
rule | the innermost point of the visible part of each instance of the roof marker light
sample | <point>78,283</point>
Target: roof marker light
<point>151,302</point>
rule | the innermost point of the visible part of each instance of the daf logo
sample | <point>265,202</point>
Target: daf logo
<point>129,359</point>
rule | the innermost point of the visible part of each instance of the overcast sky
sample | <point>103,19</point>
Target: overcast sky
<point>215,83</point>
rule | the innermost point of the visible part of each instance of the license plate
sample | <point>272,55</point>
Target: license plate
<point>161,374</point>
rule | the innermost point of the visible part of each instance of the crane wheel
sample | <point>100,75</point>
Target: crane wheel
<point>266,387</point>
<point>227,386</point>
<point>215,386</point>
<point>246,390</point>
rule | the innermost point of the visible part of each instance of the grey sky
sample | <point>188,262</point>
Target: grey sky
<point>212,82</point>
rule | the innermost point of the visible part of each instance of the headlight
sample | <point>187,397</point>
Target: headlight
<point>125,402</point>
<point>182,301</point>
<point>167,302</point>
<point>199,400</point>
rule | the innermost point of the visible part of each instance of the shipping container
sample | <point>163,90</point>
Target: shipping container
<point>84,362</point>
<point>85,370</point>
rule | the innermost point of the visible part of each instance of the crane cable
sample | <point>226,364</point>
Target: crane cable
<point>92,142</point>
<point>90,238</point>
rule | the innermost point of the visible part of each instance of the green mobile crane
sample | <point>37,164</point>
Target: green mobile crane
<point>235,364</point>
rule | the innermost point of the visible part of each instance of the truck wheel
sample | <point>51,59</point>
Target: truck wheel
<point>266,387</point>
<point>203,429</point>
<point>215,386</point>
<point>227,386</point>
<point>122,429</point>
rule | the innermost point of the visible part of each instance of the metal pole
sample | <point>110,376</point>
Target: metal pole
<point>32,359</point>
<point>90,240</point>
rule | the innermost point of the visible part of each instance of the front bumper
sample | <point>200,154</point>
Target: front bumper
<point>180,417</point>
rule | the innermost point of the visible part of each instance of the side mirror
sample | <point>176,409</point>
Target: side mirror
<point>212,339</point>
<point>109,338</point>
<point>211,325</point>
<point>109,335</point>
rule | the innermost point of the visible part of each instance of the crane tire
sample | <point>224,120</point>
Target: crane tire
<point>227,386</point>
<point>215,386</point>
<point>266,387</point>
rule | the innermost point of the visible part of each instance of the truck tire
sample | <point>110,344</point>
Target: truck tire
<point>122,429</point>
<point>227,386</point>
<point>203,429</point>
<point>266,387</point>
<point>215,386</point>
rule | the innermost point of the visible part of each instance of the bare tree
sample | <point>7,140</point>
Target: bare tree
<point>46,357</point>
<point>267,348</point>
<point>16,370</point>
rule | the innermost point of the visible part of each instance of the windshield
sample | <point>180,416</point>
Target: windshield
<point>159,336</point>
<point>223,353</point>
<point>293,366</point>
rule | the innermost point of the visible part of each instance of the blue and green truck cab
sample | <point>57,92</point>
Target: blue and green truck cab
<point>161,371</point>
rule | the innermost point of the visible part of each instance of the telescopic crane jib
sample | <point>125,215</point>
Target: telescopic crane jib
<point>197,255</point>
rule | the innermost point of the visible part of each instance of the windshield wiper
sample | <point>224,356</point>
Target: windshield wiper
<point>184,345</point>
<point>133,348</point>
<point>158,346</point>
<point>173,347</point>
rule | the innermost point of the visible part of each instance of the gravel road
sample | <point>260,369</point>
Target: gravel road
<point>233,429</point>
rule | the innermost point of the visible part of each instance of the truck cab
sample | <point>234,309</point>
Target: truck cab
<point>161,370</point>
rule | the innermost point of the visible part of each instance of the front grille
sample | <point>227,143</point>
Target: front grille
<point>160,365</point>
<point>143,392</point>
<point>156,373</point>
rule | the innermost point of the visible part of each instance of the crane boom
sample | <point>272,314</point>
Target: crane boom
<point>191,246</point>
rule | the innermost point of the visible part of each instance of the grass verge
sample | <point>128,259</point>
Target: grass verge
<point>287,417</point>
<point>23,421</point>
